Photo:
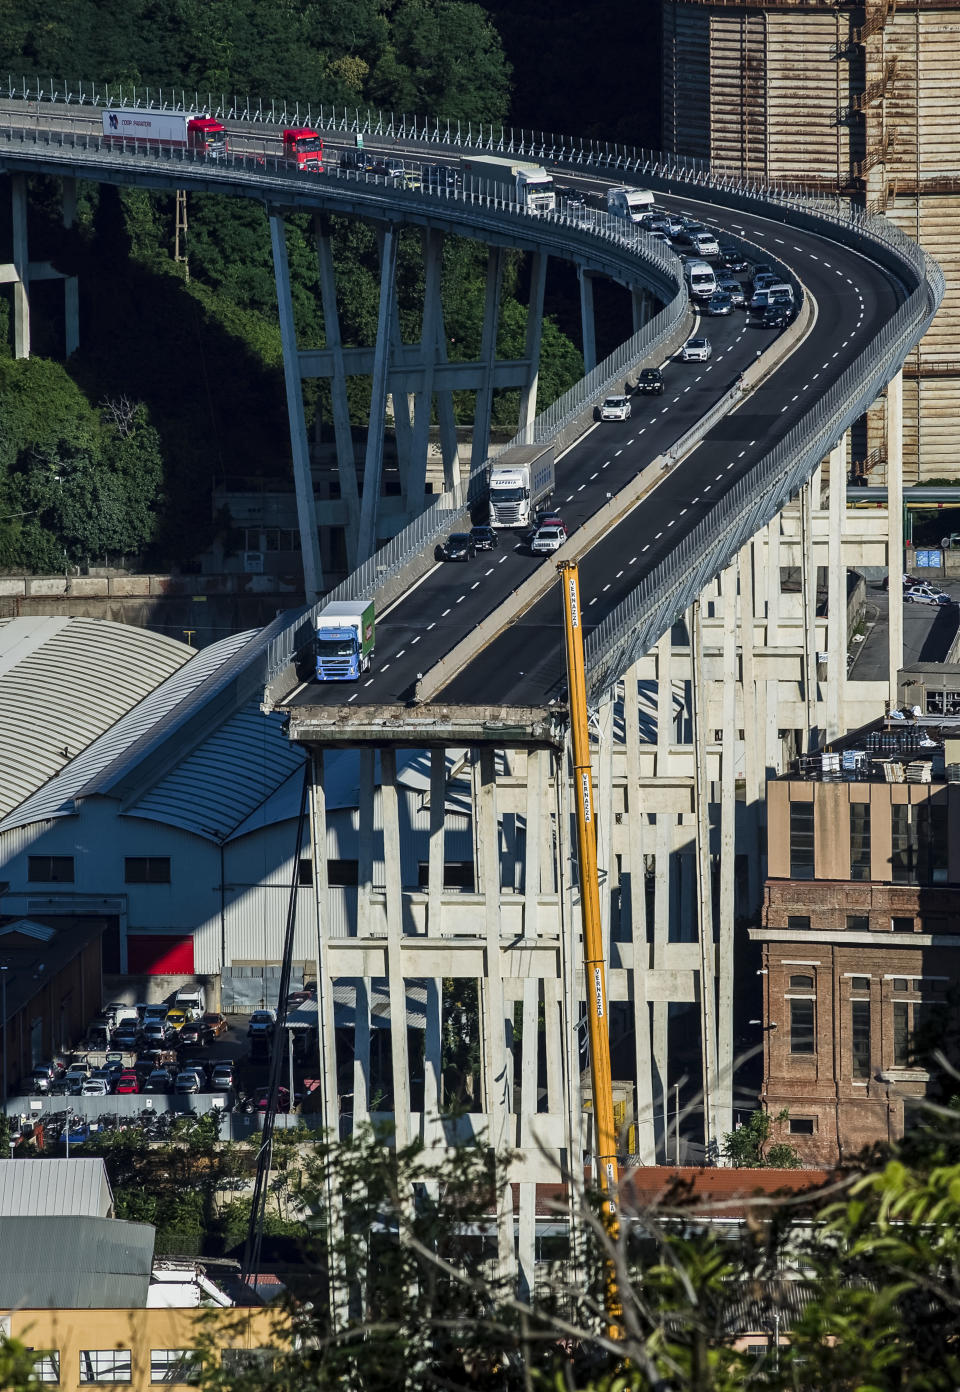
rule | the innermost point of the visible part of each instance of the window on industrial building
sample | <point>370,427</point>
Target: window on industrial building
<point>343,872</point>
<point>802,1026</point>
<point>46,1366</point>
<point>798,923</point>
<point>931,820</point>
<point>903,844</point>
<point>860,1037</point>
<point>457,874</point>
<point>901,924</point>
<point>175,1365</point>
<point>105,1365</point>
<point>801,1126</point>
<point>858,923</point>
<point>146,870</point>
<point>859,840</point>
<point>49,869</point>
<point>801,983</point>
<point>860,983</point>
<point>304,871</point>
<point>801,840</point>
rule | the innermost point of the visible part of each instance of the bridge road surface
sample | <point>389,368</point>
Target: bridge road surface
<point>525,664</point>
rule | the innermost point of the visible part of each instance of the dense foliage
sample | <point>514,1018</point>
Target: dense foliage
<point>197,360</point>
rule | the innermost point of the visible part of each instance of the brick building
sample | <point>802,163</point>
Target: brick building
<point>860,933</point>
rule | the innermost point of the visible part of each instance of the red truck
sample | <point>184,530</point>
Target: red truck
<point>304,146</point>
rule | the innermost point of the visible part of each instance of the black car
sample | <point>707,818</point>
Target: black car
<point>458,547</point>
<point>439,176</point>
<point>774,317</point>
<point>484,538</point>
<point>650,382</point>
<point>732,259</point>
<point>193,1033</point>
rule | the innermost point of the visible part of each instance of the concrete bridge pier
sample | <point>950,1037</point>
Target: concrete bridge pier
<point>21,272</point>
<point>587,319</point>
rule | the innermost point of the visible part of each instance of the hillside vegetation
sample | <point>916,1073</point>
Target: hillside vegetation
<point>178,382</point>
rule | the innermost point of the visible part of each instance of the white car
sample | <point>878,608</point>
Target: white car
<point>547,539</point>
<point>925,594</point>
<point>696,350</point>
<point>616,408</point>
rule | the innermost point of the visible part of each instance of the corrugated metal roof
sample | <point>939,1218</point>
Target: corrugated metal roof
<point>235,771</point>
<point>74,1263</point>
<point>63,682</point>
<point>50,1188</point>
<point>223,674</point>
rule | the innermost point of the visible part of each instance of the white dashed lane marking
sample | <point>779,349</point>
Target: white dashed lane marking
<point>352,698</point>
<point>401,652</point>
<point>445,613</point>
<point>432,625</point>
<point>370,682</point>
<point>420,635</point>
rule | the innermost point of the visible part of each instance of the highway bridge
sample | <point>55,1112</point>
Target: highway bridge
<point>702,493</point>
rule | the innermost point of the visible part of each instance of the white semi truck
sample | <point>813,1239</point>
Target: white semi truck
<point>185,130</point>
<point>520,478</point>
<point>633,203</point>
<point>519,181</point>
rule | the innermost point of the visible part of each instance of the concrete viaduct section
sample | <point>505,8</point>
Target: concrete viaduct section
<point>401,372</point>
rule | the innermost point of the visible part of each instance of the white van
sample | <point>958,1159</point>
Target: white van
<point>192,999</point>
<point>633,203</point>
<point>701,281</point>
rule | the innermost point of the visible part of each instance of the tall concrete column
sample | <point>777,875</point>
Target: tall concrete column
<point>895,527</point>
<point>808,597</point>
<point>634,904</point>
<point>71,284</point>
<point>432,1134</point>
<point>706,934</point>
<point>414,487</point>
<point>21,266</point>
<point>605,819</point>
<point>438,793</point>
<point>640,304</point>
<point>536,792</point>
<point>497,1090</point>
<point>300,449</point>
<point>326,1032</point>
<point>588,324</point>
<point>361,1053</point>
<point>367,792</point>
<point>346,459</point>
<point>837,594</point>
<point>753,735</point>
<point>395,979</point>
<point>772,533</point>
<point>480,446</point>
<point>528,392</point>
<point>373,459</point>
<point>728,829</point>
<point>527,1111</point>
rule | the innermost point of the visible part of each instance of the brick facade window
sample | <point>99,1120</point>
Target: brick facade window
<point>798,923</point>
<point>801,841</point>
<point>860,1038</point>
<point>858,923</point>
<point>802,1021</point>
<point>802,1126</point>
<point>902,924</point>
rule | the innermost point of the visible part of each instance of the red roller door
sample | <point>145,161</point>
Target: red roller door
<point>159,954</point>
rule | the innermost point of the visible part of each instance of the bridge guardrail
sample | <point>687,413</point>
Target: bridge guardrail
<point>755,499</point>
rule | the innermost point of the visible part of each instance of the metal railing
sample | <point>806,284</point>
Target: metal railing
<point>632,628</point>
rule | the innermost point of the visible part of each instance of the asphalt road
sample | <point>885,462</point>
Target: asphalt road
<point>525,664</point>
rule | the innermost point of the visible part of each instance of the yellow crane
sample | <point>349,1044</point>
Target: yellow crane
<point>605,1142</point>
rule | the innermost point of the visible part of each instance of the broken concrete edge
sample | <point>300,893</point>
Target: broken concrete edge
<point>426,726</point>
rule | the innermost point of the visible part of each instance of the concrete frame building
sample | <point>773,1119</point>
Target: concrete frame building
<point>851,100</point>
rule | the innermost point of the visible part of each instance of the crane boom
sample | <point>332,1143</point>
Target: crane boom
<point>605,1144</point>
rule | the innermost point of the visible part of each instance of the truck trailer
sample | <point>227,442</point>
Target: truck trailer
<point>345,639</point>
<point>520,478</point>
<point>182,130</point>
<point>633,203</point>
<point>519,181</point>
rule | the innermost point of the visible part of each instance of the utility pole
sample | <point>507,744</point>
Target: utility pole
<point>605,1145</point>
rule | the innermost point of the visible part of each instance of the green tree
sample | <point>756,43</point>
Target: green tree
<point>749,1145</point>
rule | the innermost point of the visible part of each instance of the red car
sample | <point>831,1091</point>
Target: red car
<point>127,1082</point>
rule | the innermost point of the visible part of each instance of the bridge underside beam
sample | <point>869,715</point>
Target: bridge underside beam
<point>410,370</point>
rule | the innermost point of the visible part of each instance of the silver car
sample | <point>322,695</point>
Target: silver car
<point>696,350</point>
